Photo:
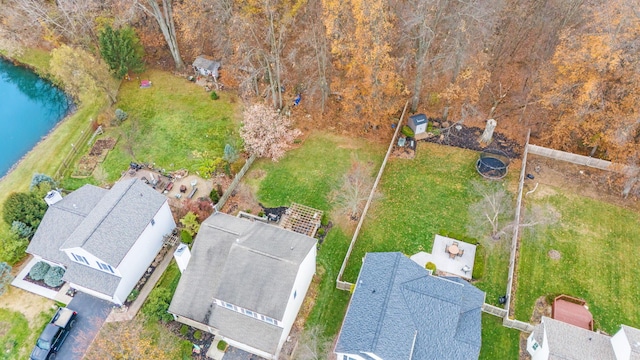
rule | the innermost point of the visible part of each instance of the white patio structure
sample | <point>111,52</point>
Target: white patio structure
<point>459,264</point>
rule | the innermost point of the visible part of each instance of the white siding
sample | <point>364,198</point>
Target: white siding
<point>92,260</point>
<point>142,253</point>
<point>621,346</point>
<point>300,286</point>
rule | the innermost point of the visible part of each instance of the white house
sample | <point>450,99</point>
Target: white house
<point>245,283</point>
<point>206,67</point>
<point>553,339</point>
<point>105,239</point>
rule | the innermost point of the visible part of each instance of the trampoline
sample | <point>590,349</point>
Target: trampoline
<point>493,164</point>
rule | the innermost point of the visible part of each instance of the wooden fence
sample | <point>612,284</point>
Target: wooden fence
<point>75,147</point>
<point>582,160</point>
<point>234,183</point>
<point>366,207</point>
<point>516,232</point>
<point>494,310</point>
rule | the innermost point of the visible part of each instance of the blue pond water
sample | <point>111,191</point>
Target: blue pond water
<point>29,108</point>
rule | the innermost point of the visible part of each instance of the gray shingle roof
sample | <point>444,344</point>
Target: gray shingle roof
<point>633,336</point>
<point>116,221</point>
<point>418,119</point>
<point>204,63</point>
<point>397,307</point>
<point>566,341</point>
<point>60,220</point>
<point>249,264</point>
<point>91,278</point>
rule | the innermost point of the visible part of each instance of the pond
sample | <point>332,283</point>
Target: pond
<point>29,108</point>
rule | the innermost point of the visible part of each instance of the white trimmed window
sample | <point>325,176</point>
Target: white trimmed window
<point>105,267</point>
<point>80,258</point>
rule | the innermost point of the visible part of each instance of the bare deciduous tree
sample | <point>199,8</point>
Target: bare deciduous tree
<point>354,191</point>
<point>492,216</point>
<point>313,345</point>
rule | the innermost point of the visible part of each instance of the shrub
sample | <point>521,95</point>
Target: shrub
<point>22,230</point>
<point>479,264</point>
<point>430,266</point>
<point>190,223</point>
<point>213,195</point>
<point>12,247</point>
<point>37,179</point>
<point>325,220</point>
<point>5,276</point>
<point>28,208</point>
<point>197,334</point>
<point>157,305</point>
<point>406,130</point>
<point>121,115</point>
<point>261,213</point>
<point>214,96</point>
<point>184,329</point>
<point>222,345</point>
<point>186,237</point>
<point>134,295</point>
<point>321,231</point>
<point>39,271</point>
<point>54,276</point>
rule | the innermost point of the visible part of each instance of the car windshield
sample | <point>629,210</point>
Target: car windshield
<point>43,344</point>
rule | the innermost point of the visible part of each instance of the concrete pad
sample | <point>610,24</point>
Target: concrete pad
<point>444,262</point>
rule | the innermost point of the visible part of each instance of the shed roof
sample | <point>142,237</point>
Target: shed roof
<point>418,119</point>
<point>399,311</point>
<point>202,62</point>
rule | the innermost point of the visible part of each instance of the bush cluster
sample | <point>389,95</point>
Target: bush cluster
<point>197,334</point>
<point>121,115</point>
<point>222,346</point>
<point>184,329</point>
<point>54,276</point>
<point>39,270</point>
<point>406,130</point>
<point>214,96</point>
<point>186,237</point>
<point>134,295</point>
<point>213,195</point>
<point>430,266</point>
<point>157,305</point>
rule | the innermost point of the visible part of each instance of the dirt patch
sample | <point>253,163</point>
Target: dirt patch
<point>593,183</point>
<point>242,199</point>
<point>30,305</point>
<point>540,309</point>
<point>554,254</point>
<point>467,138</point>
<point>102,146</point>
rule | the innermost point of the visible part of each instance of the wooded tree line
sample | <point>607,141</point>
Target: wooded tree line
<point>567,69</point>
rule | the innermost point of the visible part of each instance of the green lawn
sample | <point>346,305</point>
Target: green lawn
<point>16,336</point>
<point>597,242</point>
<point>421,198</point>
<point>498,342</point>
<point>307,175</point>
<point>168,122</point>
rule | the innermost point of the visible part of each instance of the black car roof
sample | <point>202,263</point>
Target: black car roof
<point>49,332</point>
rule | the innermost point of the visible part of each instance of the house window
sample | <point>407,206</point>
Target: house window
<point>269,320</point>
<point>295,293</point>
<point>153,222</point>
<point>248,312</point>
<point>80,258</point>
<point>105,267</point>
<point>229,306</point>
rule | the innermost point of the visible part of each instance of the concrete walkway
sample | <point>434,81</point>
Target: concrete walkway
<point>126,314</point>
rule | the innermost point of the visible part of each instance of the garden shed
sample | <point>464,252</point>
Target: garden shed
<point>206,67</point>
<point>418,123</point>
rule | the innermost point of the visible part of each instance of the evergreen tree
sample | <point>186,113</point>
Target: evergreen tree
<point>121,50</point>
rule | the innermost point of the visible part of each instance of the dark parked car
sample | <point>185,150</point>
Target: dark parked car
<point>54,335</point>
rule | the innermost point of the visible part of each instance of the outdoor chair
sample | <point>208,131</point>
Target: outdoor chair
<point>461,252</point>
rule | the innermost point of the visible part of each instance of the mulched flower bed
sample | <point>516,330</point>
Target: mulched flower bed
<point>326,231</point>
<point>101,145</point>
<point>42,283</point>
<point>148,273</point>
<point>467,138</point>
<point>204,342</point>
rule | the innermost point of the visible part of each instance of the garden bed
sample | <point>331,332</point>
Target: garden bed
<point>197,337</point>
<point>467,138</point>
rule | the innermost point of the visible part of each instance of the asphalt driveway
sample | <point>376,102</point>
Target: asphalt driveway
<point>92,312</point>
